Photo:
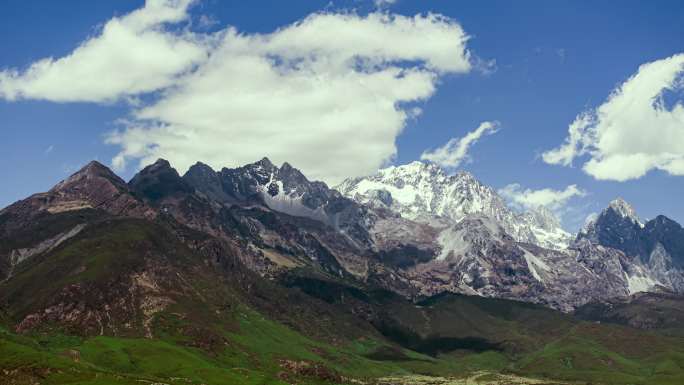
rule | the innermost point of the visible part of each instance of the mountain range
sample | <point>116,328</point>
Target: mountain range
<point>171,255</point>
<point>411,229</point>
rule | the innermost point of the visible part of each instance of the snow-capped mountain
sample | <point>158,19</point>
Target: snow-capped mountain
<point>417,230</point>
<point>411,229</point>
<point>425,193</point>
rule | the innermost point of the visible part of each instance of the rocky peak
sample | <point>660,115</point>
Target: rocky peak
<point>662,232</point>
<point>265,163</point>
<point>160,164</point>
<point>623,209</point>
<point>94,186</point>
<point>91,174</point>
<point>207,181</point>
<point>617,227</point>
<point>421,190</point>
<point>662,222</point>
<point>545,218</point>
<point>200,174</point>
<point>158,180</point>
<point>261,168</point>
<point>284,189</point>
<point>292,178</point>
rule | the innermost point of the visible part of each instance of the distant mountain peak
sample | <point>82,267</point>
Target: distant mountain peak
<point>95,165</point>
<point>96,168</point>
<point>161,163</point>
<point>92,170</point>
<point>264,162</point>
<point>158,180</point>
<point>94,186</point>
<point>423,192</point>
<point>286,166</point>
<point>159,166</point>
<point>199,168</point>
<point>624,209</point>
<point>545,217</point>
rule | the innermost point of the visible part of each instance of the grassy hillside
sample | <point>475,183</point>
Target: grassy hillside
<point>261,351</point>
<point>131,301</point>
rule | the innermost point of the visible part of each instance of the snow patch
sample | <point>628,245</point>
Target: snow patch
<point>533,262</point>
<point>452,242</point>
<point>639,283</point>
<point>291,204</point>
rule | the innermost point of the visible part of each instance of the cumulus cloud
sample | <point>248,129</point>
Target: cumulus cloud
<point>328,94</point>
<point>455,151</point>
<point>634,131</point>
<point>132,54</point>
<point>552,199</point>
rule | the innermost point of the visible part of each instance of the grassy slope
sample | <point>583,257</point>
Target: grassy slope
<point>254,353</point>
<point>220,336</point>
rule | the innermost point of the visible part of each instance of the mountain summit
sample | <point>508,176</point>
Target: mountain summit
<point>624,209</point>
<point>426,193</point>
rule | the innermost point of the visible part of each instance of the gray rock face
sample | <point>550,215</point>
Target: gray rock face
<point>479,258</point>
<point>284,189</point>
<point>656,247</point>
<point>159,180</point>
<point>621,255</point>
<point>617,226</point>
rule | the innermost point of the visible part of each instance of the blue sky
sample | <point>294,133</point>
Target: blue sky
<point>536,65</point>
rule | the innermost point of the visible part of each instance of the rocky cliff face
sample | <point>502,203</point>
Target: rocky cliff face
<point>656,246</point>
<point>274,216</point>
<point>617,226</point>
<point>283,189</point>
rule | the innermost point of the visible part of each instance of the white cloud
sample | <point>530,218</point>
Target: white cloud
<point>328,94</point>
<point>455,150</point>
<point>49,149</point>
<point>552,199</point>
<point>133,54</point>
<point>633,131</point>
